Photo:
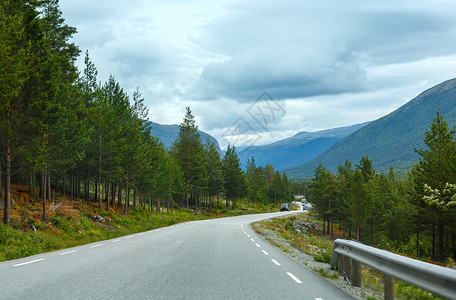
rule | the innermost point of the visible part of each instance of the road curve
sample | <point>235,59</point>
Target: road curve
<point>210,259</point>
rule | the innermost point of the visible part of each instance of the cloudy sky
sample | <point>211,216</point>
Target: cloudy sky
<point>258,71</point>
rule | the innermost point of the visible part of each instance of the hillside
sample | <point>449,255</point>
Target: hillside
<point>297,149</point>
<point>168,134</point>
<point>390,140</point>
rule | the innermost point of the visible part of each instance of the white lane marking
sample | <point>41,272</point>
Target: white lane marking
<point>257,245</point>
<point>318,298</point>
<point>248,235</point>
<point>276,262</point>
<point>65,253</point>
<point>115,241</point>
<point>141,233</point>
<point>294,277</point>
<point>129,237</point>
<point>28,262</point>
<point>252,240</point>
<point>265,253</point>
<point>97,245</point>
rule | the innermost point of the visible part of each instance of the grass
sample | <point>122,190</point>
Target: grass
<point>320,247</point>
<point>74,223</point>
<point>313,243</point>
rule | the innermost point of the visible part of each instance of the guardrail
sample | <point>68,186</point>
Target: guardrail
<point>348,256</point>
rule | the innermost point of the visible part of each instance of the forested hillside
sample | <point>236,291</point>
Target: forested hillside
<point>416,216</point>
<point>390,140</point>
<point>167,134</point>
<point>64,131</point>
<point>297,149</point>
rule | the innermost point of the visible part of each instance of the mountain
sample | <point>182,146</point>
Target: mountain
<point>168,134</point>
<point>297,149</point>
<point>390,140</point>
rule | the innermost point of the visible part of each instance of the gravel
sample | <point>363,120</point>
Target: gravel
<point>308,262</point>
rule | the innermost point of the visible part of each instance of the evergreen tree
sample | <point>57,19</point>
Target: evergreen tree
<point>436,169</point>
<point>213,171</point>
<point>13,49</point>
<point>233,176</point>
<point>189,153</point>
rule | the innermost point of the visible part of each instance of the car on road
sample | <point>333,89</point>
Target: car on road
<point>285,207</point>
<point>305,207</point>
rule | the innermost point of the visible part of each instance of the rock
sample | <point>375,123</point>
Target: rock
<point>31,226</point>
<point>98,218</point>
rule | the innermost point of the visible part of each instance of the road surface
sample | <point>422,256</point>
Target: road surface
<point>210,259</point>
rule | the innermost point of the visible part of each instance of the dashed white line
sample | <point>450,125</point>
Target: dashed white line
<point>114,241</point>
<point>257,245</point>
<point>318,298</point>
<point>65,253</point>
<point>265,253</point>
<point>97,245</point>
<point>252,240</point>
<point>28,262</point>
<point>248,235</point>
<point>276,262</point>
<point>294,277</point>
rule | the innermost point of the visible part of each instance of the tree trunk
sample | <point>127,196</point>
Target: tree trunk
<point>134,197</point>
<point>63,184</point>
<point>72,186</point>
<point>113,193</point>
<point>418,244</point>
<point>454,244</point>
<point>107,195</point>
<point>87,185</point>
<point>1,185</point>
<point>43,187</point>
<point>433,241</point>
<point>119,196</point>
<point>440,233</point>
<point>57,182</point>
<point>127,194</point>
<point>372,232</point>
<point>99,187</point>
<point>7,207</point>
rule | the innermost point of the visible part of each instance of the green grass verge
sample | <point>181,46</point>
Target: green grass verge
<point>73,224</point>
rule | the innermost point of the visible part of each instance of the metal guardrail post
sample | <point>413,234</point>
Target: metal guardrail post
<point>388,286</point>
<point>435,279</point>
<point>348,267</point>
<point>356,273</point>
<point>340,264</point>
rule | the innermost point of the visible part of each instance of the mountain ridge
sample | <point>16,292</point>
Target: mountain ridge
<point>390,140</point>
<point>167,134</point>
<point>301,147</point>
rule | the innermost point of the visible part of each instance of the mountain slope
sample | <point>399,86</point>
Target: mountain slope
<point>390,140</point>
<point>298,149</point>
<point>168,134</point>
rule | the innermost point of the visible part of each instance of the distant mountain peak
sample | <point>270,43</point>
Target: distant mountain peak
<point>390,140</point>
<point>297,149</point>
<point>167,134</point>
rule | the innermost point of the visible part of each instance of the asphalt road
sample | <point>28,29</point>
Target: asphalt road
<point>211,259</point>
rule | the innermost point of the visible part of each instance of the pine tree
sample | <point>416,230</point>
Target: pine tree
<point>189,153</point>
<point>436,169</point>
<point>213,172</point>
<point>233,176</point>
<point>12,69</point>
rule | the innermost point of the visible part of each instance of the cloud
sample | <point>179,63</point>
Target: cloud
<point>328,63</point>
